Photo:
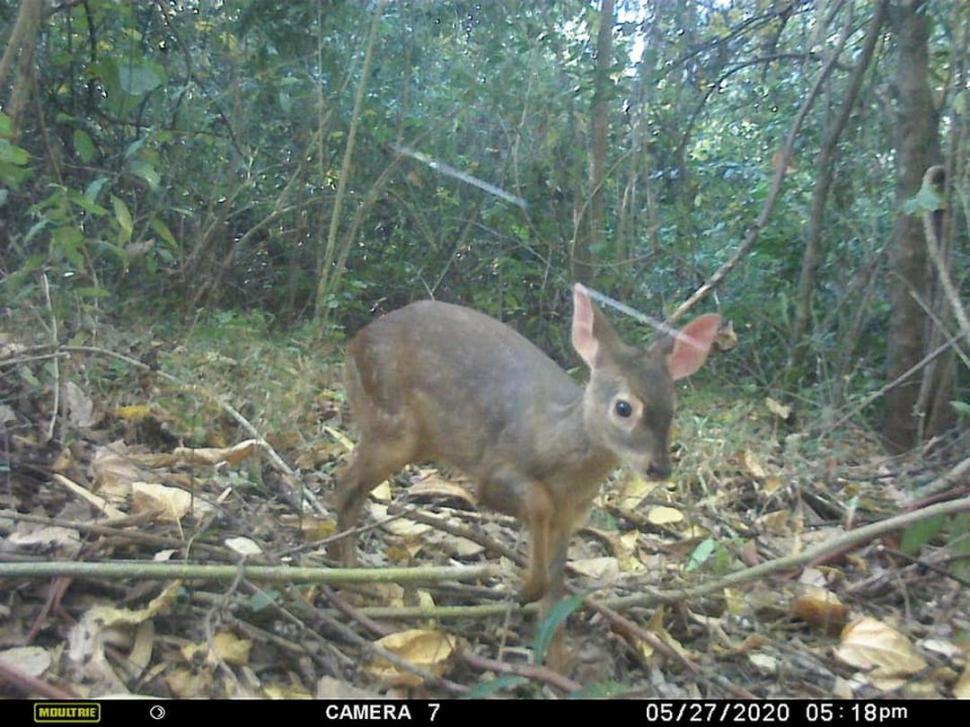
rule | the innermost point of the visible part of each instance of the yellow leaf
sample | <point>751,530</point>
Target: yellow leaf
<point>662,515</point>
<point>232,649</point>
<point>777,408</point>
<point>633,491</point>
<point>425,648</point>
<point>771,485</point>
<point>872,645</point>
<point>340,437</point>
<point>133,412</point>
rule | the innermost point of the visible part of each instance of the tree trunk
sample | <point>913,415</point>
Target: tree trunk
<point>917,145</point>
<point>591,232</point>
<point>20,49</point>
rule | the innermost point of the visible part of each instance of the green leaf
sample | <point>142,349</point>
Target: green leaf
<point>13,175</point>
<point>548,626</point>
<point>13,154</point>
<point>137,80</point>
<point>926,200</point>
<point>123,216</point>
<point>92,292</point>
<point>5,129</point>
<point>919,534</point>
<point>146,171</point>
<point>134,147</point>
<point>701,553</point>
<point>166,234</point>
<point>961,407</point>
<point>83,146</point>
<point>66,242</point>
<point>94,188</point>
<point>263,599</point>
<point>35,229</point>
<point>4,193</point>
<point>86,204</point>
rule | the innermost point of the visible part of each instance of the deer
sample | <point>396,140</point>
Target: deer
<point>434,381</point>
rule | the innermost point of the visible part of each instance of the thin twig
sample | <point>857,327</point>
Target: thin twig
<point>57,365</point>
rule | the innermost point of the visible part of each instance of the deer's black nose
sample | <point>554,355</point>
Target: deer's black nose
<point>658,471</point>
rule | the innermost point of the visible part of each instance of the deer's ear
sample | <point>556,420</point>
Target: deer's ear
<point>583,337</point>
<point>692,346</point>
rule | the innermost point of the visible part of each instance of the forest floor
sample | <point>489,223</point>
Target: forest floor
<point>741,576</point>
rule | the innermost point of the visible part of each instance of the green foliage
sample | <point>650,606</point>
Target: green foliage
<point>189,158</point>
<point>547,628</point>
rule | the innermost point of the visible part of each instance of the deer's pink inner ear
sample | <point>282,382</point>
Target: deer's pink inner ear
<point>584,341</point>
<point>688,356</point>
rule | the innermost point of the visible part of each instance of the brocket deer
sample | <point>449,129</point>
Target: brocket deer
<point>434,381</point>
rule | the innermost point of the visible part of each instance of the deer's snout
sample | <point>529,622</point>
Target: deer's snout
<point>658,470</point>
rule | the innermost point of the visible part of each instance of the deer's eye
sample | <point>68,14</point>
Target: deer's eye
<point>623,408</point>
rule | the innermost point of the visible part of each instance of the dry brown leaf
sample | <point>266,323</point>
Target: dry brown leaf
<point>425,648</point>
<point>752,465</point>
<point>319,453</point>
<point>330,688</point>
<point>429,484</point>
<point>140,655</point>
<point>289,691</point>
<point>764,663</point>
<point>169,503</point>
<point>752,642</point>
<point>64,543</point>
<point>243,546</point>
<point>189,684</point>
<point>100,503</point>
<point>30,660</point>
<point>113,471</point>
<point>80,408</point>
<point>88,638</point>
<point>601,569</point>
<point>211,456</point>
<point>871,645</point>
<point>820,607</point>
<point>315,528</point>
<point>399,526</point>
<point>776,523</point>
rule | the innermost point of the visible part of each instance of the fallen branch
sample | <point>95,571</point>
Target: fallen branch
<point>117,570</point>
<point>848,540</point>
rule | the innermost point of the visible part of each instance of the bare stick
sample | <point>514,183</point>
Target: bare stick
<point>842,542</point>
<point>117,570</point>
